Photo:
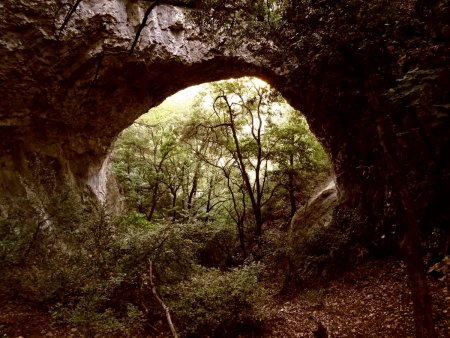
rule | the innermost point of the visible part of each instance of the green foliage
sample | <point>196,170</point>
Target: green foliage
<point>91,265</point>
<point>171,247</point>
<point>301,162</point>
<point>187,212</point>
<point>417,90</point>
<point>146,160</point>
<point>319,251</point>
<point>220,304</point>
<point>39,234</point>
<point>93,319</point>
<point>302,24</point>
<point>242,153</point>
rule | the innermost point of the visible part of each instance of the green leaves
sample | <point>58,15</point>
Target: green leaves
<point>215,302</point>
<point>226,154</point>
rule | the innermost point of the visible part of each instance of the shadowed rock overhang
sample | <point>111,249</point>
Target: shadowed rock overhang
<point>76,73</point>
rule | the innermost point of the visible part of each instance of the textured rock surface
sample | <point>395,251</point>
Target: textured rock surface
<point>319,209</point>
<point>67,94</point>
<point>69,88</point>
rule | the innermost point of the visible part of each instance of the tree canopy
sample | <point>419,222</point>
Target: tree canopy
<point>238,152</point>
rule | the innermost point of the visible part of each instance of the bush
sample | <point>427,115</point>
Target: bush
<point>217,303</point>
<point>92,318</point>
<point>319,251</point>
<point>42,245</point>
<point>56,248</point>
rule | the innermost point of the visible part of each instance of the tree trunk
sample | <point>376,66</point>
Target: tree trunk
<point>292,200</point>
<point>242,238</point>
<point>153,202</point>
<point>255,203</point>
<point>208,202</point>
<point>422,307</point>
<point>193,190</point>
<point>258,221</point>
<point>423,313</point>
<point>160,301</point>
<point>174,203</point>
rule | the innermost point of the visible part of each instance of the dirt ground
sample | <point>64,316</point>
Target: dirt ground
<point>373,300</point>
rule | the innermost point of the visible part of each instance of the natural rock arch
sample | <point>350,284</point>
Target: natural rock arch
<point>69,85</point>
<point>69,93</point>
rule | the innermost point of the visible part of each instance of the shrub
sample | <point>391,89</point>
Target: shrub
<point>56,248</point>
<point>217,303</point>
<point>93,318</point>
<point>318,251</point>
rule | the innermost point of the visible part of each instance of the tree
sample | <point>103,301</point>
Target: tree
<point>236,147</point>
<point>299,160</point>
<point>237,126</point>
<point>141,159</point>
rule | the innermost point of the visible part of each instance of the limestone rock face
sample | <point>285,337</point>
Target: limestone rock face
<point>72,78</point>
<point>69,87</point>
<point>318,212</point>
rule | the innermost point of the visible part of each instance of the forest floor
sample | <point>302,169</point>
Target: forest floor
<point>372,300</point>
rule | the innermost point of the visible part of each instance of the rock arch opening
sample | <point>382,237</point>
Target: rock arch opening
<point>372,79</point>
<point>234,145</point>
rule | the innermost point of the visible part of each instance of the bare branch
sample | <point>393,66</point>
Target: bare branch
<point>159,299</point>
<point>271,194</point>
<point>214,126</point>
<point>145,124</point>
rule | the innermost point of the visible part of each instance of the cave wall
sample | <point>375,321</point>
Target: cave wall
<point>68,88</point>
